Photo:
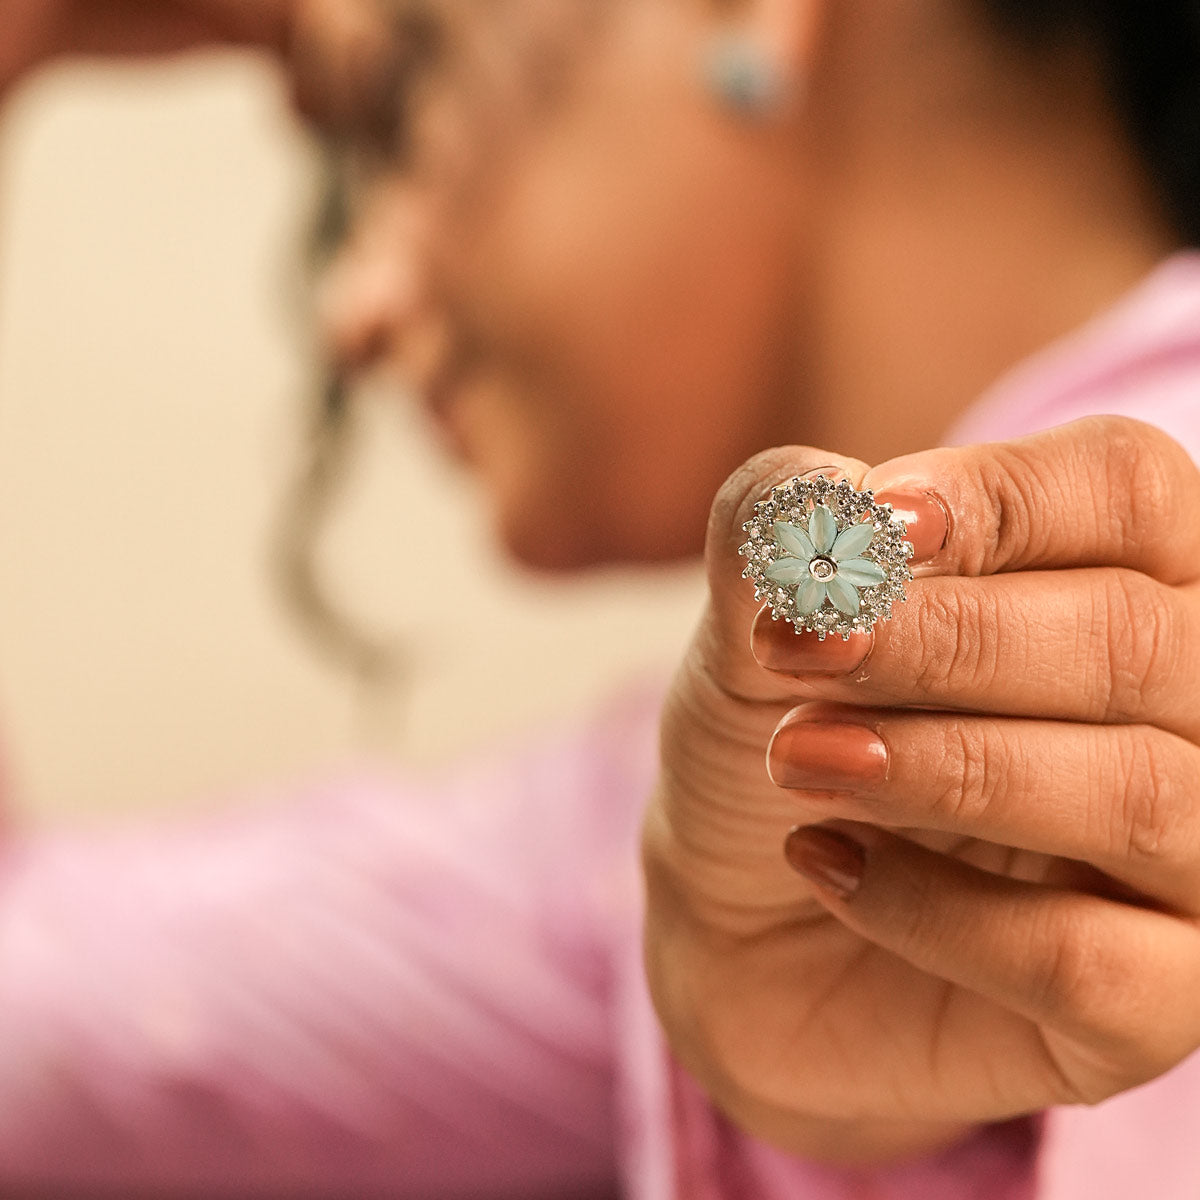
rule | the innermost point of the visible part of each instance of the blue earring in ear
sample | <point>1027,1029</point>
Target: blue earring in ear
<point>743,76</point>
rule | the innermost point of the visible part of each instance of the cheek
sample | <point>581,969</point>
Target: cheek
<point>619,463</point>
<point>656,364</point>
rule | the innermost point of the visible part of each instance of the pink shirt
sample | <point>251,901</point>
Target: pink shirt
<point>363,989</point>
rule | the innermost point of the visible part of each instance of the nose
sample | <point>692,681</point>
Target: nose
<point>374,302</point>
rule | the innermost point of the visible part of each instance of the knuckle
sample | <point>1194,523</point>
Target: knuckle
<point>970,763</point>
<point>1015,497</point>
<point>1080,979</point>
<point>1140,462</point>
<point>1140,642</point>
<point>958,648</point>
<point>1099,999</point>
<point>1153,817</point>
<point>1087,469</point>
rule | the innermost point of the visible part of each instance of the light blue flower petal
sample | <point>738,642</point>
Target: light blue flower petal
<point>787,572</point>
<point>844,596</point>
<point>810,596</point>
<point>861,572</point>
<point>822,528</point>
<point>794,540</point>
<point>853,541</point>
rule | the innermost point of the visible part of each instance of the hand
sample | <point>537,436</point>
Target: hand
<point>339,53</point>
<point>36,31</point>
<point>1002,905</point>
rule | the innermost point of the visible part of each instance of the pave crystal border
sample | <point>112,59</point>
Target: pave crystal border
<point>794,501</point>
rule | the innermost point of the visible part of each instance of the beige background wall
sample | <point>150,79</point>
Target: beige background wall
<point>150,381</point>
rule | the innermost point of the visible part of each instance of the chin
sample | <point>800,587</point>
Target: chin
<point>579,545</point>
<point>537,548</point>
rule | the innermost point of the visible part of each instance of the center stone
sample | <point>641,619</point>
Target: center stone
<point>822,569</point>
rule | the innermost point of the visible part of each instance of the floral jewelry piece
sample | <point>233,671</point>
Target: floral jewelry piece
<point>827,558</point>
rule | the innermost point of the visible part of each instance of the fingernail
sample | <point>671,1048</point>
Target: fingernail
<point>826,755</point>
<point>832,472</point>
<point>777,646</point>
<point>925,515</point>
<point>828,859</point>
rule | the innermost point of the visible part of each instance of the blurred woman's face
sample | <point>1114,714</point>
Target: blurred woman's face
<point>586,273</point>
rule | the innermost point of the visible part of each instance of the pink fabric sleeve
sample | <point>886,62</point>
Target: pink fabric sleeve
<point>367,991</point>
<point>715,1161</point>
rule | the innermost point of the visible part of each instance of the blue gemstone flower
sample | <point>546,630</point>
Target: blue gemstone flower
<point>822,564</point>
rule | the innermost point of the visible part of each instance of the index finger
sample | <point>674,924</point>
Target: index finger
<point>1100,491</point>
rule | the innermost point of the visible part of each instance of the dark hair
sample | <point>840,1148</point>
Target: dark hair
<point>326,462</point>
<point>1149,53</point>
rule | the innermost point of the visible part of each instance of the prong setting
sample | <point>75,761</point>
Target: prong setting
<point>826,557</point>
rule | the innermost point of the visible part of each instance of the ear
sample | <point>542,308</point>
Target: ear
<point>787,30</point>
<point>762,56</point>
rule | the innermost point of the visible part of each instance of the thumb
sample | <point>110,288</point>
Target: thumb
<point>724,637</point>
<point>714,830</point>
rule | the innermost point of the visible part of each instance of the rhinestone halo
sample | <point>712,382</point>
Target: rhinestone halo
<point>854,608</point>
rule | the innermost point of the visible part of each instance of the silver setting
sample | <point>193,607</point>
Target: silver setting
<point>822,569</point>
<point>794,502</point>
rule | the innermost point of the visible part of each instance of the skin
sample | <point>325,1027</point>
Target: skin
<point>334,53</point>
<point>613,295</point>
